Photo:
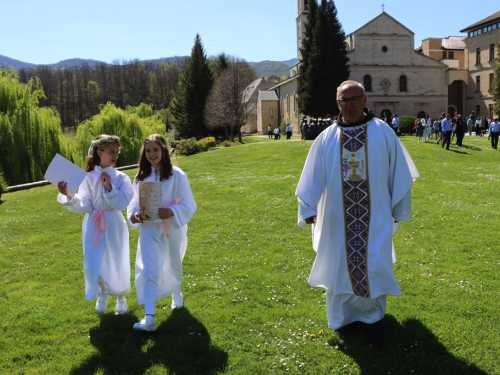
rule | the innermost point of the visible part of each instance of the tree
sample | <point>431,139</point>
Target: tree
<point>30,136</point>
<point>188,105</point>
<point>496,84</point>
<point>219,63</point>
<point>304,91</point>
<point>324,61</point>
<point>225,107</point>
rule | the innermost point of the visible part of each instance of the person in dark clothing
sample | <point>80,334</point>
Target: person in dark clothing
<point>459,131</point>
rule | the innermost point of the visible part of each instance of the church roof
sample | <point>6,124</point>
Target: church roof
<point>380,15</point>
<point>484,21</point>
<point>251,91</point>
<point>268,95</point>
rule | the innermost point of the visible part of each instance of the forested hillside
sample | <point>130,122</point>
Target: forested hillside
<point>268,68</point>
<point>78,92</point>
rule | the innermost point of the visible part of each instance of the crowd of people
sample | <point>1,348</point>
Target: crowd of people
<point>448,127</point>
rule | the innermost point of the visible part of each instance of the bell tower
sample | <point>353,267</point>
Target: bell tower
<point>302,11</point>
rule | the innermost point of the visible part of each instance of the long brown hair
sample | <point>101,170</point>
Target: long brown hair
<point>145,165</point>
<point>93,158</point>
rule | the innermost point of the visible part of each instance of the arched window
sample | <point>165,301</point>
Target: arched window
<point>403,84</point>
<point>367,82</point>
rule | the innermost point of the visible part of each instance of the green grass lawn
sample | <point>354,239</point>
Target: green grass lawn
<point>249,308</point>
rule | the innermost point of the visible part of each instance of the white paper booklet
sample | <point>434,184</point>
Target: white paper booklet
<point>61,169</point>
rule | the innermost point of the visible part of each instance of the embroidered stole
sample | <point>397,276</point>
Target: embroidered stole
<point>356,197</point>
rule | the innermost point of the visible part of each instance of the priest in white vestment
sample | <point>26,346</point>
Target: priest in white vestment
<point>354,187</point>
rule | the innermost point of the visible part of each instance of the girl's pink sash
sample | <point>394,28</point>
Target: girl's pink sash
<point>166,224</point>
<point>100,220</point>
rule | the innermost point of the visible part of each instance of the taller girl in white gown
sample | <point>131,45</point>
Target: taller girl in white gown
<point>101,196</point>
<point>162,243</point>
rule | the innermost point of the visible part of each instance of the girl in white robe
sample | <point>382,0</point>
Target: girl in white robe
<point>162,243</point>
<point>101,196</point>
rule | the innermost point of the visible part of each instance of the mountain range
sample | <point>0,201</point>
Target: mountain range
<point>264,68</point>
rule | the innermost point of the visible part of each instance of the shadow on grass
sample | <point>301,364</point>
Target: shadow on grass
<point>459,152</point>
<point>181,344</point>
<point>473,148</point>
<point>410,348</point>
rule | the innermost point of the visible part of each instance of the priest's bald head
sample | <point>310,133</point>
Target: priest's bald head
<point>351,100</point>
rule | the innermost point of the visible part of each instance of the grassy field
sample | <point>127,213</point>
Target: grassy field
<point>249,308</point>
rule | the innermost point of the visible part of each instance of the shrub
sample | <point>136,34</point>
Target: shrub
<point>3,185</point>
<point>283,126</point>
<point>406,124</point>
<point>206,143</point>
<point>187,147</point>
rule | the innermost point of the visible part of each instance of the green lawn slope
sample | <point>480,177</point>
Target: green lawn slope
<point>248,306</point>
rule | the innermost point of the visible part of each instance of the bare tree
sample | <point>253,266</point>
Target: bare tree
<point>225,107</point>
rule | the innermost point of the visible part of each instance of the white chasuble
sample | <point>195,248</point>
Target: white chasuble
<point>356,181</point>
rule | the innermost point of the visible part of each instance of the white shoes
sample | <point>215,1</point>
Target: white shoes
<point>148,323</point>
<point>102,302</point>
<point>121,307</point>
<point>177,300</point>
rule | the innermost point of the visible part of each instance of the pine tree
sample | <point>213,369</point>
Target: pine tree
<point>189,102</point>
<point>496,85</point>
<point>326,66</point>
<point>219,64</point>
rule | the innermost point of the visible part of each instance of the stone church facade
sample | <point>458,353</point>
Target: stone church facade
<point>396,78</point>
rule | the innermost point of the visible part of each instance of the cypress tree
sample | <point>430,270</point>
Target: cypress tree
<point>304,92</point>
<point>194,87</point>
<point>326,65</point>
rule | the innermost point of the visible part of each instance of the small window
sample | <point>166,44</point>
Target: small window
<point>478,110</point>
<point>478,55</point>
<point>403,85</point>
<point>491,81</point>
<point>450,55</point>
<point>271,112</point>
<point>494,27</point>
<point>384,49</point>
<point>444,55</point>
<point>478,83</point>
<point>367,82</point>
<point>492,52</point>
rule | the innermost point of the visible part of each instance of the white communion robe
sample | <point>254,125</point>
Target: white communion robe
<point>158,264</point>
<point>106,255</point>
<point>356,181</point>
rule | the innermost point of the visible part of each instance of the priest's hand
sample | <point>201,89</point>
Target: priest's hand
<point>310,220</point>
<point>136,218</point>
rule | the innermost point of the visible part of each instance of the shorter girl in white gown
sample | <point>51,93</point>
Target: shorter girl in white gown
<point>101,196</point>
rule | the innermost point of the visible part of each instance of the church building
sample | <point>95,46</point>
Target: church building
<point>401,79</point>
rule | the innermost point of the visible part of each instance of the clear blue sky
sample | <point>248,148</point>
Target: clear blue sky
<point>48,31</point>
